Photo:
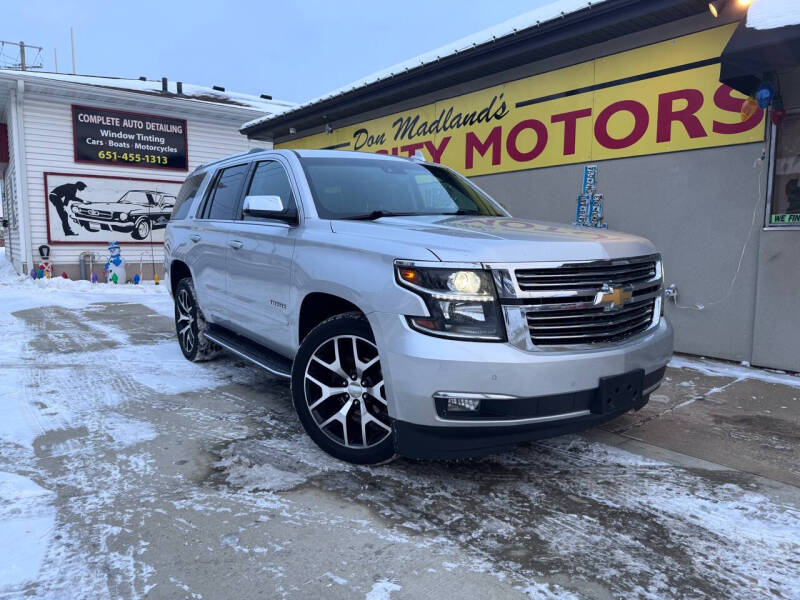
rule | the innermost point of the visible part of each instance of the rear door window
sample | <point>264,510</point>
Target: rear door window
<point>223,201</point>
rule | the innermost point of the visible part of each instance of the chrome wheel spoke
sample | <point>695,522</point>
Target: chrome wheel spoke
<point>334,367</point>
<point>376,392</point>
<point>327,391</point>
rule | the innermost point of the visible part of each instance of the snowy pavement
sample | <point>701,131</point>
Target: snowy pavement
<point>127,472</point>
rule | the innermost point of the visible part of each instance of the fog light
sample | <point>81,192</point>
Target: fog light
<point>463,404</point>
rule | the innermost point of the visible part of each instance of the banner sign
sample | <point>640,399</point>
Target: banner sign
<point>115,137</point>
<point>94,209</point>
<point>664,97</point>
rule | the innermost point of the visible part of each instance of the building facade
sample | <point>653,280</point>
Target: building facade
<point>631,87</point>
<point>92,160</point>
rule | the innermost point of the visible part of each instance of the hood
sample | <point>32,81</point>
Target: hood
<point>496,239</point>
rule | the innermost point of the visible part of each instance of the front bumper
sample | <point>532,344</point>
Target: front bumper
<point>417,366</point>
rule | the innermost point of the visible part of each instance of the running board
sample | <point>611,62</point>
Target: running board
<point>250,350</point>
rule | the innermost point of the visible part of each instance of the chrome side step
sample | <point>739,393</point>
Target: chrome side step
<point>250,350</point>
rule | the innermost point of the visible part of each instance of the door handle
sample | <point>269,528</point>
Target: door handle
<point>235,244</point>
<point>194,237</point>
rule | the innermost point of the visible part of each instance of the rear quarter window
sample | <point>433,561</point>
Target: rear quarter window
<point>185,196</point>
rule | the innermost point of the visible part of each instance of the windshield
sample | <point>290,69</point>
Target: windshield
<point>346,188</point>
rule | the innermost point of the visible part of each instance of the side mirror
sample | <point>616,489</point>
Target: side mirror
<point>263,206</point>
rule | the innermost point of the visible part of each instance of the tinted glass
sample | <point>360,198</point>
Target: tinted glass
<point>224,200</point>
<point>346,188</point>
<point>185,196</point>
<point>270,179</point>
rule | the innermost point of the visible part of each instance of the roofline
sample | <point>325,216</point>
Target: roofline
<point>463,66</point>
<point>170,102</point>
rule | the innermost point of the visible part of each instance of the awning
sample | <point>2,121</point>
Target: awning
<point>751,53</point>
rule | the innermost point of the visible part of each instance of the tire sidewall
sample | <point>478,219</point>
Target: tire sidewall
<point>186,285</point>
<point>135,233</point>
<point>346,324</point>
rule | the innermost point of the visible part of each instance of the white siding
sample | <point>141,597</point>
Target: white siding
<point>49,148</point>
<point>11,198</point>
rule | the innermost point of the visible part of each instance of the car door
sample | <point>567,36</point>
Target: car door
<point>260,260</point>
<point>211,232</point>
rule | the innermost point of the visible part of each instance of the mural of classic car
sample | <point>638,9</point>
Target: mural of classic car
<point>137,212</point>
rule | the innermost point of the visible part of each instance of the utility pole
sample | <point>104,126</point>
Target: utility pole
<point>55,59</point>
<point>30,57</point>
<point>72,42</point>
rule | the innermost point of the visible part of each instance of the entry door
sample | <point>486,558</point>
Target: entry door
<point>210,236</point>
<point>260,261</point>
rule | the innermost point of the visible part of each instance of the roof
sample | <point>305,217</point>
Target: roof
<point>769,14</point>
<point>192,92</point>
<point>557,27</point>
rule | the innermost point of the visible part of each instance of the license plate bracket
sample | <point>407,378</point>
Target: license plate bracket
<point>619,393</point>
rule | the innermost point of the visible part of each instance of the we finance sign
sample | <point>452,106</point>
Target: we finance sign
<point>664,97</point>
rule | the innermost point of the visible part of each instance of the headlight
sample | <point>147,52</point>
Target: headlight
<point>123,216</point>
<point>462,302</point>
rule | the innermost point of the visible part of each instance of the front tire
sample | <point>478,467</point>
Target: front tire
<point>190,324</point>
<point>141,229</point>
<point>339,394</point>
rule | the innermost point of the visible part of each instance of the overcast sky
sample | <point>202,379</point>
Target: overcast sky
<point>292,49</point>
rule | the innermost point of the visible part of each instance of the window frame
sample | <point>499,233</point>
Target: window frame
<point>773,147</point>
<point>212,188</point>
<point>291,220</point>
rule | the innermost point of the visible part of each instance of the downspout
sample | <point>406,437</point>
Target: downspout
<point>21,173</point>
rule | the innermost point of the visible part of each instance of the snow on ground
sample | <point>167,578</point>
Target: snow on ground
<point>126,471</point>
<point>738,372</point>
<point>769,14</point>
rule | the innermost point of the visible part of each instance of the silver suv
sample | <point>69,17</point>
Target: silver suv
<point>412,314</point>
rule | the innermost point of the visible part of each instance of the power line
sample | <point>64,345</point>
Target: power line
<point>20,56</point>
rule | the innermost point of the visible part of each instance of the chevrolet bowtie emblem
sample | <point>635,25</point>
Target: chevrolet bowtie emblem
<point>613,297</point>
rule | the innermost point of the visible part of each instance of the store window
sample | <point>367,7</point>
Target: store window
<point>785,204</point>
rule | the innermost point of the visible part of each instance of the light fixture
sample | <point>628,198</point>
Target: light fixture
<point>744,3</point>
<point>716,7</point>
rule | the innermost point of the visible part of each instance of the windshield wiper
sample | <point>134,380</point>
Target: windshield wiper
<point>377,214</point>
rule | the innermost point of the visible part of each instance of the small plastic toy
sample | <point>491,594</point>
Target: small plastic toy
<point>64,275</point>
<point>136,279</point>
<point>94,277</point>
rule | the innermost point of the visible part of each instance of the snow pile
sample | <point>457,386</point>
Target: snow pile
<point>769,14</point>
<point>533,18</point>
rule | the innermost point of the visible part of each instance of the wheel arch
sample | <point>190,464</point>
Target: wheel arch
<point>319,306</point>
<point>177,271</point>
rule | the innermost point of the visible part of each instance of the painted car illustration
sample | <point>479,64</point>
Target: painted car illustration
<point>137,212</point>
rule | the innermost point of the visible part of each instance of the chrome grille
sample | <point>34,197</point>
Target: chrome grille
<point>591,276</point>
<point>561,310</point>
<point>95,214</point>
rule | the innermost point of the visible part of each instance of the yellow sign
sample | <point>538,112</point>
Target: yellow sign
<point>659,98</point>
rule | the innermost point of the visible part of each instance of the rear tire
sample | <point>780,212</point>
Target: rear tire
<point>339,394</point>
<point>190,324</point>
